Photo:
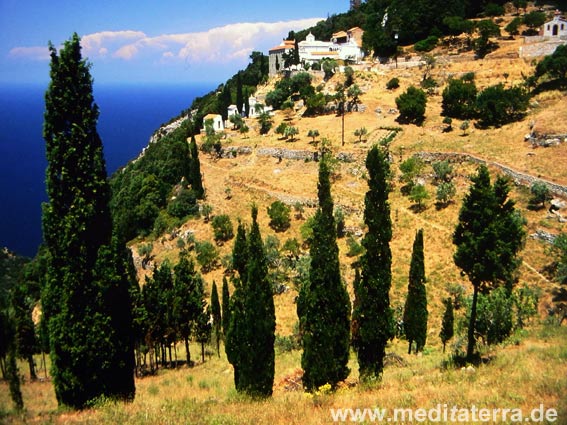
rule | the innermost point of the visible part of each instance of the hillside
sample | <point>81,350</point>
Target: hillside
<point>527,369</point>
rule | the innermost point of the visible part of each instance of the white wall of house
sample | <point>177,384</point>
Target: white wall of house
<point>218,124</point>
<point>556,27</point>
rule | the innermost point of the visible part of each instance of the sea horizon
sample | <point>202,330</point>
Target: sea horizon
<point>129,115</point>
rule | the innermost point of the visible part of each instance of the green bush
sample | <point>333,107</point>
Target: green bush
<point>426,45</point>
<point>207,255</point>
<point>411,105</point>
<point>497,105</point>
<point>280,216</point>
<point>394,83</point>
<point>184,204</point>
<point>354,248</point>
<point>459,99</point>
<point>222,228</point>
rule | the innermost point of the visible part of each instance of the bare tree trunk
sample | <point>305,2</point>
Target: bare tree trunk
<point>187,351</point>
<point>472,325</point>
<point>203,352</point>
<point>3,367</point>
<point>44,364</point>
<point>33,376</point>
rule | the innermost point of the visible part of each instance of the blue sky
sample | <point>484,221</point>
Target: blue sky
<point>143,41</point>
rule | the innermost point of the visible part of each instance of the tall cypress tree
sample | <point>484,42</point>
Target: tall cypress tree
<point>239,95</point>
<point>447,326</point>
<point>240,252</point>
<point>195,177</point>
<point>323,305</point>
<point>86,299</point>
<point>415,309</point>
<point>372,313</point>
<point>251,334</point>
<point>216,315</point>
<point>225,306</point>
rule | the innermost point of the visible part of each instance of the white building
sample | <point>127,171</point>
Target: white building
<point>344,45</point>
<point>557,27</point>
<point>311,50</point>
<point>218,125</point>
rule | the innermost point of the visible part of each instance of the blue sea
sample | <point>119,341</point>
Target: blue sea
<point>129,114</point>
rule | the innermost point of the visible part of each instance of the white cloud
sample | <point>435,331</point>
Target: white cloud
<point>217,45</point>
<point>105,41</point>
<point>30,53</point>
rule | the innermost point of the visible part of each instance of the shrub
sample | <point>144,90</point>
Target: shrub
<point>184,204</point>
<point>411,105</point>
<point>555,65</point>
<point>459,98</point>
<point>513,27</point>
<point>443,171</point>
<point>426,45</point>
<point>445,192</point>
<point>418,195</point>
<point>222,228</point>
<point>394,83</point>
<point>540,194</point>
<point>497,105</point>
<point>354,248</point>
<point>207,255</point>
<point>280,217</point>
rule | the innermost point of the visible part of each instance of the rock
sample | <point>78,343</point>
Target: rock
<point>550,142</point>
<point>557,204</point>
<point>542,235</point>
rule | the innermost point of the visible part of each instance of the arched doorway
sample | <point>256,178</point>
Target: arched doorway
<point>555,30</point>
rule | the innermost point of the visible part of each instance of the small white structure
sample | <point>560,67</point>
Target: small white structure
<point>556,27</point>
<point>218,125</point>
<point>256,108</point>
<point>232,110</point>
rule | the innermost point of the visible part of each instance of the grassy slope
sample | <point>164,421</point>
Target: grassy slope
<point>520,375</point>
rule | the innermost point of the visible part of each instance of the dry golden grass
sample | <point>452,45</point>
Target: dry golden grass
<point>520,375</point>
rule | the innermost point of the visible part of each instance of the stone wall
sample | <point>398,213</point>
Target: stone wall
<point>519,178</point>
<point>544,48</point>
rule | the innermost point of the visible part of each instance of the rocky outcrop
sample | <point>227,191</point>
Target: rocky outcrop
<point>166,129</point>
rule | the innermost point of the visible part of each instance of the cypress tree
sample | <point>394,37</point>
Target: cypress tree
<point>188,306</point>
<point>225,306</point>
<point>203,328</point>
<point>323,305</point>
<point>195,177</point>
<point>415,309</point>
<point>25,338</point>
<point>372,311</point>
<point>216,315</point>
<point>12,373</point>
<point>239,95</point>
<point>447,326</point>
<point>240,252</point>
<point>251,333</point>
<point>488,238</point>
<point>86,296</point>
